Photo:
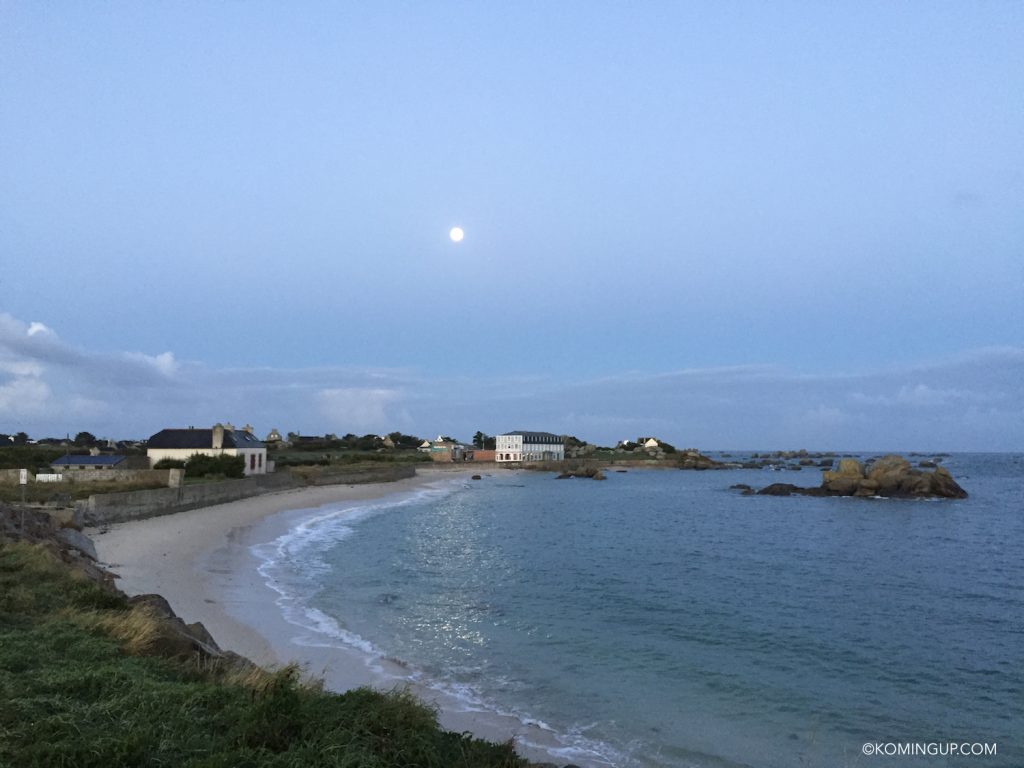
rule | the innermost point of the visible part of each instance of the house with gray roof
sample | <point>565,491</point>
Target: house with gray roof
<point>219,440</point>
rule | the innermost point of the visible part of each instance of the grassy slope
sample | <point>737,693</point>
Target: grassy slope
<point>77,690</point>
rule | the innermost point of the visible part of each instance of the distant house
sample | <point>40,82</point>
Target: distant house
<point>648,442</point>
<point>182,444</point>
<point>529,446</point>
<point>89,462</point>
<point>443,449</point>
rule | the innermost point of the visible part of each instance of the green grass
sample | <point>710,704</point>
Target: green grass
<point>73,695</point>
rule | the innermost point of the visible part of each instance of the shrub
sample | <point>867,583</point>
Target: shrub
<point>201,465</point>
<point>169,464</point>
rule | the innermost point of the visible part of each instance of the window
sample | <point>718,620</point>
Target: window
<point>252,462</point>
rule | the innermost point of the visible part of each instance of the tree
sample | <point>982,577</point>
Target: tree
<point>405,441</point>
<point>85,440</point>
<point>21,439</point>
<point>483,441</point>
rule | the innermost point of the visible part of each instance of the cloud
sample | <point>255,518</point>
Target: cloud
<point>35,329</point>
<point>24,397</point>
<point>969,401</point>
<point>164,363</point>
<point>358,409</point>
<point>913,395</point>
<point>825,415</point>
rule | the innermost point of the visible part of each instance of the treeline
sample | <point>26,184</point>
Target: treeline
<point>352,442</point>
<point>31,457</point>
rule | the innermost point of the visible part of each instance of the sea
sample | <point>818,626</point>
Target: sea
<point>662,618</point>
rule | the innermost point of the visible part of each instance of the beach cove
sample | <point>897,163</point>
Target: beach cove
<point>202,562</point>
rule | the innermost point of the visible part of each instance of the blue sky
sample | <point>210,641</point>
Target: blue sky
<point>732,224</point>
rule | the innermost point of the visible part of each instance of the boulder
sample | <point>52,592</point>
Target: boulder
<point>841,485</point>
<point>77,541</point>
<point>945,486</point>
<point>173,638</point>
<point>781,489</point>
<point>850,467</point>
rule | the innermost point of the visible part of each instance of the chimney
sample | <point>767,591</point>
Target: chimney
<point>218,437</point>
<point>247,428</point>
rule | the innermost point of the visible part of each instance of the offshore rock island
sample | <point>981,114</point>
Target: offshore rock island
<point>891,476</point>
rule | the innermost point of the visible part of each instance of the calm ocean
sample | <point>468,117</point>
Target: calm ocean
<point>659,618</point>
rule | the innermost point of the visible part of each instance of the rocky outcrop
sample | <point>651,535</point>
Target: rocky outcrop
<point>691,459</point>
<point>172,638</point>
<point>890,476</point>
<point>590,472</point>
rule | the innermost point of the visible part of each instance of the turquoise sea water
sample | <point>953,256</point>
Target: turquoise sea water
<point>659,618</point>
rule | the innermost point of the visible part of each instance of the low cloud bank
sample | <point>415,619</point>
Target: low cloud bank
<point>970,401</point>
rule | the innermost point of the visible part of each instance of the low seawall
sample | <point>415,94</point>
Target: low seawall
<point>107,508</point>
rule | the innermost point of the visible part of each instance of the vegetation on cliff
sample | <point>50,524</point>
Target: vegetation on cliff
<point>81,688</point>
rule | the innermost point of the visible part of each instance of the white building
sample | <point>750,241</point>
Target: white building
<point>528,446</point>
<point>182,444</point>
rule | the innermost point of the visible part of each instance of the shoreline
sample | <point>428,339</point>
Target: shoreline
<point>202,562</point>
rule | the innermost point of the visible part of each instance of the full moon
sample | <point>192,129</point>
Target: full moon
<point>456,234</point>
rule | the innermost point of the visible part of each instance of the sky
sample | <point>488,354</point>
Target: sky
<point>731,225</point>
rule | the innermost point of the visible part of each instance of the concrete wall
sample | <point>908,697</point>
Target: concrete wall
<point>12,476</point>
<point>136,505</point>
<point>107,508</point>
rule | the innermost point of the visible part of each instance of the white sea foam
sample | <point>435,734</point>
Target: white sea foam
<point>292,566</point>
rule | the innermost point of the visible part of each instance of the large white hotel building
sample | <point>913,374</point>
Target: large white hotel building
<point>528,446</point>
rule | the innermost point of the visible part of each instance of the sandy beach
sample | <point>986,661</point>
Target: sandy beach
<point>201,562</point>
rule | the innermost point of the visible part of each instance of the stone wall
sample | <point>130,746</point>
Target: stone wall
<point>102,509</point>
<point>169,477</point>
<point>162,476</point>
